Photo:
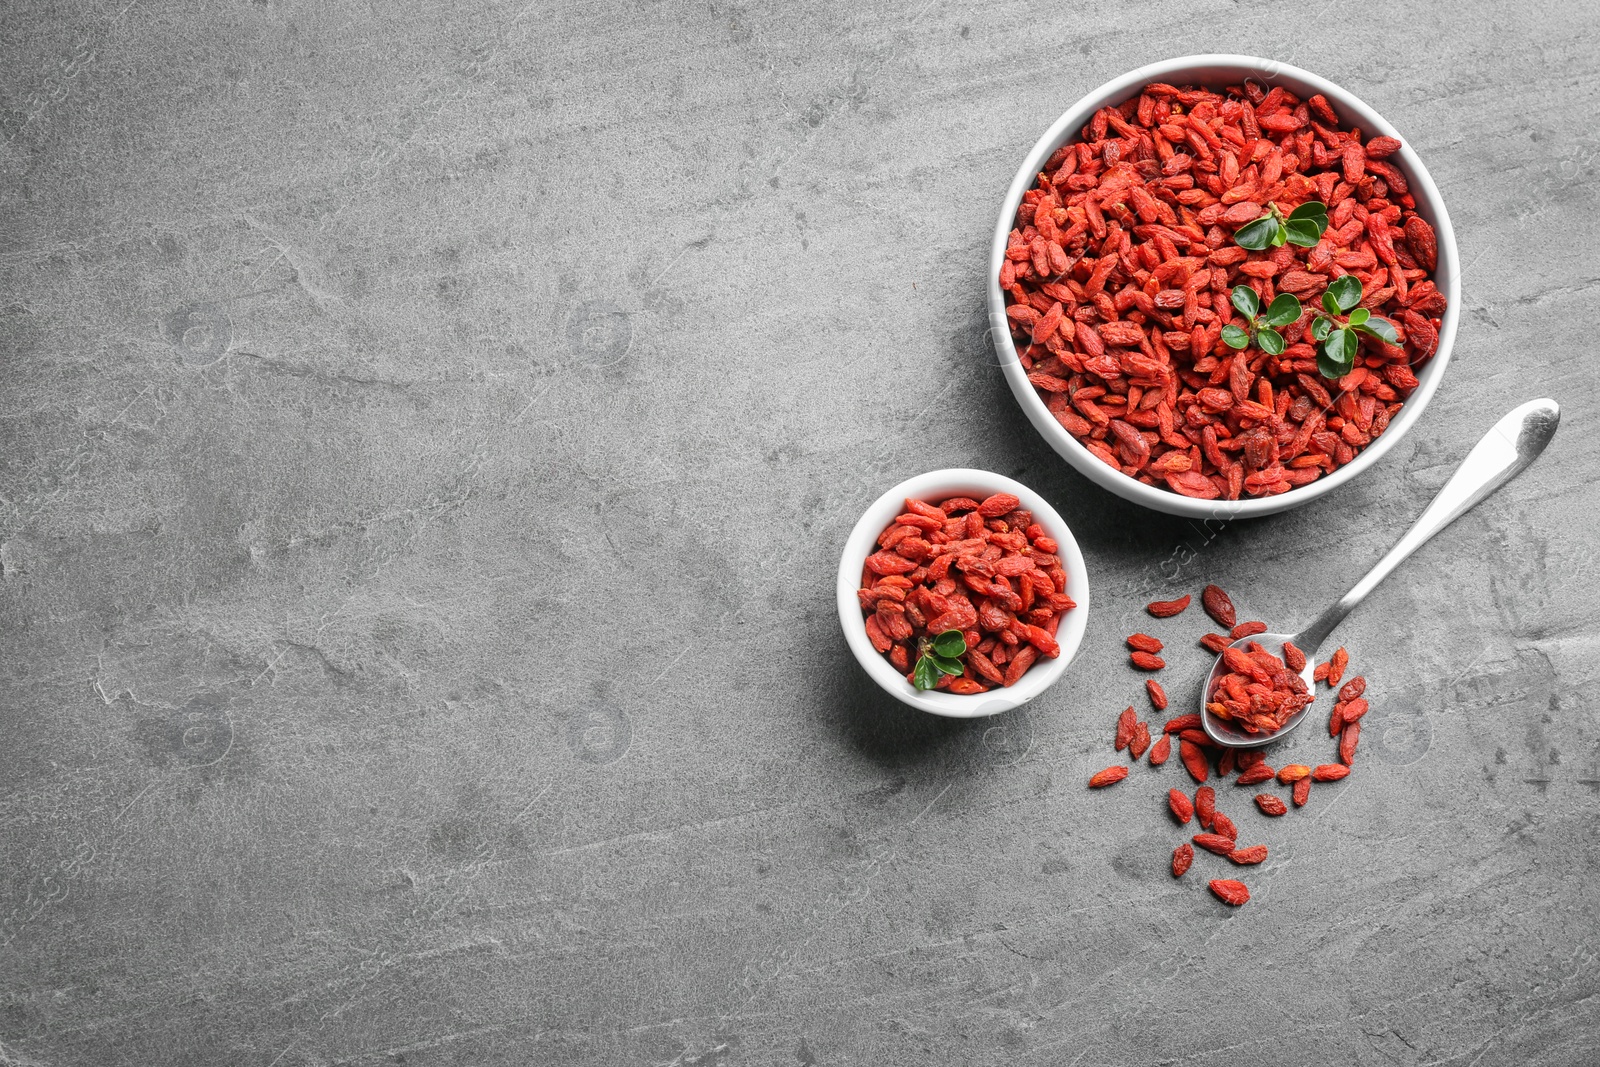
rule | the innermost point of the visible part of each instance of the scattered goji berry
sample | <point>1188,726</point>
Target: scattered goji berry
<point>1182,722</point>
<point>1246,856</point>
<point>1219,606</point>
<point>1270,805</point>
<point>1182,859</point>
<point>1205,805</point>
<point>1158,695</point>
<point>1214,843</point>
<point>1161,750</point>
<point>1349,737</point>
<point>1166,609</point>
<point>1292,773</point>
<point>1178,803</point>
<point>1329,772</point>
<point>1221,824</point>
<point>1146,662</point>
<point>1109,776</point>
<point>1230,891</point>
<point>1302,792</point>
<point>1194,760</point>
<point>1125,725</point>
<point>1141,740</point>
<point>1336,665</point>
<point>1247,629</point>
<point>1143,643</point>
<point>1259,773</point>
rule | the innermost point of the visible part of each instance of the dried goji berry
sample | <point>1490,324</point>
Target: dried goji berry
<point>1294,772</point>
<point>1354,709</point>
<point>1161,750</point>
<point>1329,772</point>
<point>1194,761</point>
<point>1125,724</point>
<point>1270,805</point>
<point>1247,629</point>
<point>1302,792</point>
<point>1178,803</point>
<point>1182,859</point>
<point>1246,856</point>
<point>1353,688</point>
<point>1158,695</point>
<point>1293,658</point>
<point>1259,773</point>
<point>1165,609</point>
<point>1182,722</point>
<point>1109,776</point>
<point>1144,643</point>
<point>1214,643</point>
<point>1336,665</point>
<point>1349,737</point>
<point>1219,606</point>
<point>1214,843</point>
<point>1141,740</point>
<point>1230,891</point>
<point>1221,824</point>
<point>1319,673</point>
<point>1205,805</point>
<point>1146,662</point>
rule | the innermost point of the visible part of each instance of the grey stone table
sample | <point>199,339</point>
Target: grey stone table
<point>429,432</point>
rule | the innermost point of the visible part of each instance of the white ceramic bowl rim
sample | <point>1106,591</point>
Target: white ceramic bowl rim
<point>1214,71</point>
<point>938,485</point>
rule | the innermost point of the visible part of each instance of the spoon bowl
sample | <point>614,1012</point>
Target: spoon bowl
<point>1226,734</point>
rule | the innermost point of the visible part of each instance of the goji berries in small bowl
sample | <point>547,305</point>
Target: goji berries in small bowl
<point>967,569</point>
<point>1221,286</point>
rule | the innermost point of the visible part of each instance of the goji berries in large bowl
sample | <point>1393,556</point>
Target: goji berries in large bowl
<point>1222,286</point>
<point>1003,556</point>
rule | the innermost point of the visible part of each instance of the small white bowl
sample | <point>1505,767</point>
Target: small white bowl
<point>940,485</point>
<point>1214,72</point>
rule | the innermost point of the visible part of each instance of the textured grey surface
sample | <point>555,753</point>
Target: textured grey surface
<point>428,434</point>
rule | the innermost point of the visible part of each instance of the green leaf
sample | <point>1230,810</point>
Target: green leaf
<point>1382,329</point>
<point>948,666</point>
<point>1235,336</point>
<point>1279,237</point>
<point>1346,292</point>
<point>1302,232</point>
<point>1311,209</point>
<point>950,644</point>
<point>1330,303</point>
<point>1359,315</point>
<point>1271,341</point>
<point>1321,326</point>
<point>1284,309</point>
<point>1256,235</point>
<point>1338,355</point>
<point>1245,299</point>
<point>925,675</point>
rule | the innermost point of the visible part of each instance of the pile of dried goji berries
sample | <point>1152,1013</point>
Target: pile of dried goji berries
<point>1118,277</point>
<point>1201,758</point>
<point>984,568</point>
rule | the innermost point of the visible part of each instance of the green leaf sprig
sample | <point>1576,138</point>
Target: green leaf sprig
<point>1284,309</point>
<point>1303,226</point>
<point>1339,341</point>
<point>940,655</point>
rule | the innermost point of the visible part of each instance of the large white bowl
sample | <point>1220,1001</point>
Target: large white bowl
<point>1214,72</point>
<point>940,485</point>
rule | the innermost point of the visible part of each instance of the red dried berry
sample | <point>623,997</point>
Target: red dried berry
<point>1336,665</point>
<point>1205,805</point>
<point>1320,672</point>
<point>1353,688</point>
<point>1336,720</point>
<point>1214,643</point>
<point>1178,803</point>
<point>1214,843</point>
<point>1302,792</point>
<point>1125,724</point>
<point>1259,773</point>
<point>998,505</point>
<point>1249,758</point>
<point>1158,695</point>
<point>1194,760</point>
<point>1166,609</point>
<point>1146,662</point>
<point>1294,772</point>
<point>1221,824</point>
<point>1247,856</point>
<point>1293,658</point>
<point>1271,805</point>
<point>1349,737</point>
<point>1140,742</point>
<point>1182,859</point>
<point>1247,629</point>
<point>1109,776</point>
<point>1143,643</point>
<point>1161,750</point>
<point>1354,709</point>
<point>1219,606</point>
<point>1329,772</point>
<point>1230,891</point>
<point>1225,764</point>
<point>1182,722</point>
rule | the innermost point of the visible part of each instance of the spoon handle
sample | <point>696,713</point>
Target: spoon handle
<point>1513,443</point>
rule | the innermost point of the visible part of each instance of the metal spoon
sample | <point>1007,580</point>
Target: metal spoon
<point>1513,443</point>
